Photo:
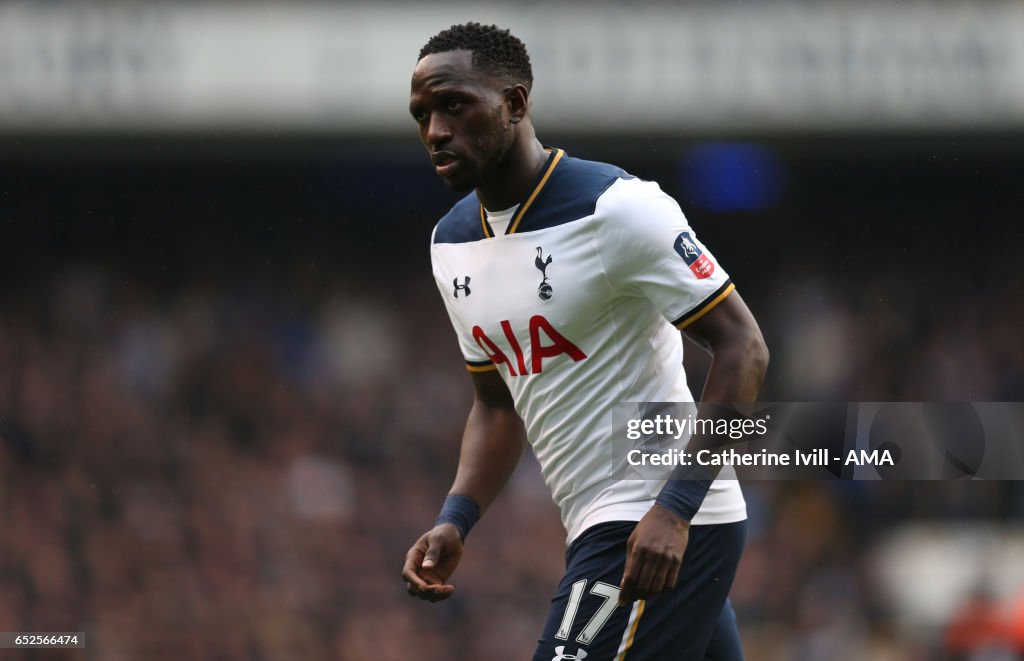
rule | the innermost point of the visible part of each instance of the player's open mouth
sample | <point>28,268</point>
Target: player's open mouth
<point>446,169</point>
<point>445,162</point>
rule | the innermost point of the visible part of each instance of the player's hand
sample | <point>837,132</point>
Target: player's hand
<point>654,555</point>
<point>430,562</point>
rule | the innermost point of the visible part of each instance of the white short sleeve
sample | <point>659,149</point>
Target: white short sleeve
<point>477,359</point>
<point>650,250</point>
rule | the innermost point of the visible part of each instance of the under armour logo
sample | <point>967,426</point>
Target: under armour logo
<point>464,287</point>
<point>562,656</point>
<point>543,289</point>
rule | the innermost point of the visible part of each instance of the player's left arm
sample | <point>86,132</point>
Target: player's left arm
<point>739,356</point>
<point>739,360</point>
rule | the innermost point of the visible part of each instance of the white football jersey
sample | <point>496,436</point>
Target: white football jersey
<point>577,305</point>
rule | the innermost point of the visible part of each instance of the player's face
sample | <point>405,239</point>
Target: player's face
<point>462,117</point>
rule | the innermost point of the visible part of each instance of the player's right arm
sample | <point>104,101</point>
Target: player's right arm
<point>492,445</point>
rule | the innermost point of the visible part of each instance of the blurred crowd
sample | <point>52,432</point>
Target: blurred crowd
<point>224,472</point>
<point>227,409</point>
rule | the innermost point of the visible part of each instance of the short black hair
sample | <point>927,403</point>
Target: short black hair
<point>494,50</point>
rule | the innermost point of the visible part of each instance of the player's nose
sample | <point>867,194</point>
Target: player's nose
<point>438,131</point>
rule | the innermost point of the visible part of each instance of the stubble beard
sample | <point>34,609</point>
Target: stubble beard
<point>490,171</point>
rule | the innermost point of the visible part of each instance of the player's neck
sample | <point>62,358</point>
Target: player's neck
<point>514,180</point>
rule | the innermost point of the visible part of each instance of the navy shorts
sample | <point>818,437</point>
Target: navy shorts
<point>691,622</point>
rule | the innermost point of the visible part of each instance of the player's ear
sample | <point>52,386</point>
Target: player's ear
<point>517,98</point>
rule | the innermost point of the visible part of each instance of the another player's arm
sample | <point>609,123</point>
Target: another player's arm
<point>492,445</point>
<point>739,360</point>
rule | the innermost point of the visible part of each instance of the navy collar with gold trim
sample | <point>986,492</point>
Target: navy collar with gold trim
<point>549,167</point>
<point>567,189</point>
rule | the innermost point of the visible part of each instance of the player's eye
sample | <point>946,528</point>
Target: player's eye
<point>419,116</point>
<point>454,104</point>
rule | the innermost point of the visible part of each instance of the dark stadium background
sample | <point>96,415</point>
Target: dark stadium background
<point>230,398</point>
